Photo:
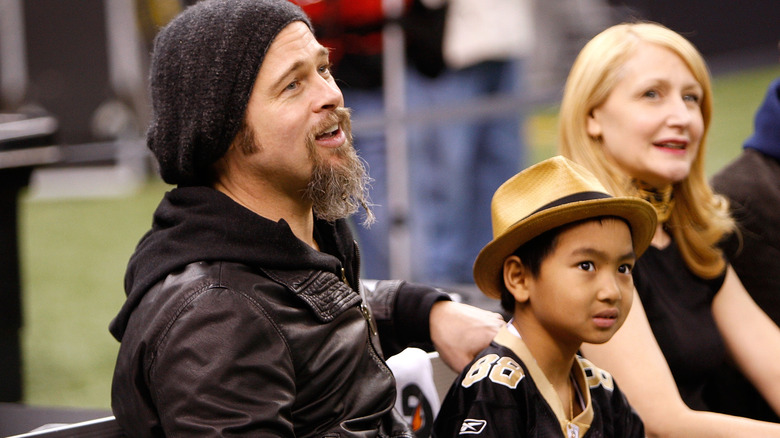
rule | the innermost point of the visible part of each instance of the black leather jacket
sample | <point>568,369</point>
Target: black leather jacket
<point>279,344</point>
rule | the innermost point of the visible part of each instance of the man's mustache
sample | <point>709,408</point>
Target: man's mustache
<point>341,116</point>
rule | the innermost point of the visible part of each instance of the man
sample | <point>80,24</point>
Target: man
<point>244,314</point>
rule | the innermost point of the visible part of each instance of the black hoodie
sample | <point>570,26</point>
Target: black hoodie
<point>191,224</point>
<point>201,224</point>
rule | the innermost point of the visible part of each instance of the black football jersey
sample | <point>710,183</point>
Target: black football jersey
<point>504,393</point>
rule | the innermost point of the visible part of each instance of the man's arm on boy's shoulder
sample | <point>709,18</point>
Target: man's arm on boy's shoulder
<point>460,331</point>
<point>410,314</point>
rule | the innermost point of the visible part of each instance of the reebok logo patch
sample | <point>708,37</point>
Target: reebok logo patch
<point>472,427</point>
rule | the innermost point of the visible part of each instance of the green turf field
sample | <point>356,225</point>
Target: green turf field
<point>74,252</point>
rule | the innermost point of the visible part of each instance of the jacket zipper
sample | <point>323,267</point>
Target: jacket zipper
<point>363,306</point>
<point>367,314</point>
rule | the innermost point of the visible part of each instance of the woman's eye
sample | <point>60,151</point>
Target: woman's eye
<point>692,98</point>
<point>587,266</point>
<point>651,94</point>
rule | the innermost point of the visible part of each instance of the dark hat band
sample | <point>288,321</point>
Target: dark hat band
<point>568,193</point>
<point>577,197</point>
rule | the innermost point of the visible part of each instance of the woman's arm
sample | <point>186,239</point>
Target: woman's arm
<point>634,358</point>
<point>751,336</point>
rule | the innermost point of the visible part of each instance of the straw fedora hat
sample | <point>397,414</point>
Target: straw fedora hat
<point>547,195</point>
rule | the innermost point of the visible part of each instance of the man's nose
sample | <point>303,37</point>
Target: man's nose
<point>328,95</point>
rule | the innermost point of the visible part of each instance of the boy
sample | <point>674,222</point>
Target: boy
<point>560,261</point>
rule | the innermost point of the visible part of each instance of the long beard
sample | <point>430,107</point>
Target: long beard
<point>338,191</point>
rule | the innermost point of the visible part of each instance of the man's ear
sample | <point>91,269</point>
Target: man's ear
<point>220,168</point>
<point>517,278</point>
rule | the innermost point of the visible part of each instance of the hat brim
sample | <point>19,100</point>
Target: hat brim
<point>489,265</point>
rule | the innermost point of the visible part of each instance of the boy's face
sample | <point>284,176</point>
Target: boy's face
<point>584,288</point>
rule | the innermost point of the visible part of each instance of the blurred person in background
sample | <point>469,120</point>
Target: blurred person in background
<point>752,184</point>
<point>457,52</point>
<point>353,30</point>
<point>635,111</point>
<point>456,165</point>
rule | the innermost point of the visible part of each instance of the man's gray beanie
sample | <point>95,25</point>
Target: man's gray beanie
<point>204,65</point>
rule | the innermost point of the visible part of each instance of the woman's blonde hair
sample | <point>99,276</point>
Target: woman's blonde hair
<point>700,217</point>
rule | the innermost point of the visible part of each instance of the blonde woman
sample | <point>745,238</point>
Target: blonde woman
<point>635,111</point>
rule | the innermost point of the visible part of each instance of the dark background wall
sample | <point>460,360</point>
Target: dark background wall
<point>721,29</point>
<point>67,62</point>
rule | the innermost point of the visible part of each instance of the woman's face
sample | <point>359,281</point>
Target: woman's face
<point>651,123</point>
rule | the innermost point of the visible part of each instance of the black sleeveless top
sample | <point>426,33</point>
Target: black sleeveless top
<point>678,304</point>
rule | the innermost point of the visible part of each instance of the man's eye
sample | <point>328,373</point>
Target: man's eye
<point>325,69</point>
<point>292,85</point>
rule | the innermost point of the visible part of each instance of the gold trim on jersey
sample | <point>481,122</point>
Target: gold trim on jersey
<point>581,421</point>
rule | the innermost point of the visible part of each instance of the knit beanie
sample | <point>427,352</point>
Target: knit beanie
<point>204,65</point>
<point>766,134</point>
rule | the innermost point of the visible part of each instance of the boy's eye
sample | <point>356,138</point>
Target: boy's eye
<point>625,269</point>
<point>587,266</point>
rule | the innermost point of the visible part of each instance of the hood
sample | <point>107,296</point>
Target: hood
<point>194,224</point>
<point>766,135</point>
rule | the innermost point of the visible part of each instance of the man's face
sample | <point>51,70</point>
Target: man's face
<point>301,131</point>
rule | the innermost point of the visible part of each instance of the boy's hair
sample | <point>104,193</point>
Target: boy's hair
<point>535,251</point>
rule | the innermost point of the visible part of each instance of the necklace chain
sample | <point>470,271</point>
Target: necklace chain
<point>662,199</point>
<point>572,430</point>
<point>571,399</point>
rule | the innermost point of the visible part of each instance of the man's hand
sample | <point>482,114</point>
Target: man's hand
<point>460,331</point>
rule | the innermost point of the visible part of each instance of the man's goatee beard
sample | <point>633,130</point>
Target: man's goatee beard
<point>338,191</point>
